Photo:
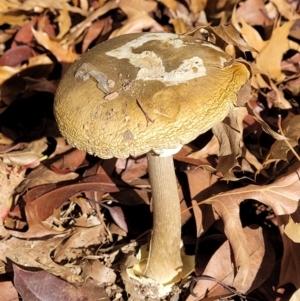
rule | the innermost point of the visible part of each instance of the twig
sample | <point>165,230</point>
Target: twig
<point>144,112</point>
<point>205,277</point>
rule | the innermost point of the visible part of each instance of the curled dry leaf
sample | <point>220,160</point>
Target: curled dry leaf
<point>43,175</point>
<point>44,208</point>
<point>230,35</point>
<point>280,148</point>
<point>77,31</point>
<point>264,125</point>
<point>261,255</point>
<point>97,29</point>
<point>281,196</point>
<point>229,134</point>
<point>62,53</point>
<point>117,215</point>
<point>32,152</point>
<point>286,10</point>
<point>64,22</point>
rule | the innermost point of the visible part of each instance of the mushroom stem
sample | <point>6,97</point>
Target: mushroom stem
<point>164,261</point>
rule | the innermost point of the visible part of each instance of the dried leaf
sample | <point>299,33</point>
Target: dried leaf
<point>42,175</point>
<point>70,162</point>
<point>31,152</point>
<point>197,6</point>
<point>269,57</point>
<point>15,56</point>
<point>63,54</point>
<point>281,196</point>
<point>10,19</point>
<point>138,23</point>
<point>261,254</point>
<point>52,288</point>
<point>230,35</point>
<point>7,288</point>
<point>36,254</point>
<point>6,72</point>
<point>64,22</point>
<point>290,263</point>
<point>292,230</point>
<point>253,12</point>
<point>99,272</point>
<point>280,149</point>
<point>263,124</point>
<point>76,31</point>
<point>286,10</point>
<point>75,245</point>
<point>229,134</point>
<point>117,215</point>
<point>172,4</point>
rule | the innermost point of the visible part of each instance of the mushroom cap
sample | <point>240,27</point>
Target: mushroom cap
<point>146,91</point>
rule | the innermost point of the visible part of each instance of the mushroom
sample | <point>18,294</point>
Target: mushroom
<point>149,93</point>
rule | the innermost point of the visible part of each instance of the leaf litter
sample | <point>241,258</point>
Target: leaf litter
<point>74,222</point>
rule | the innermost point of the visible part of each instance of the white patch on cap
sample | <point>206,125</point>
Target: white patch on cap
<point>151,65</point>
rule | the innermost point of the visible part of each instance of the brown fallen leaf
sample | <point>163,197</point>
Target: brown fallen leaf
<point>77,30</point>
<point>64,22</point>
<point>290,264</point>
<point>61,52</point>
<point>42,175</point>
<point>36,254</point>
<point>292,230</point>
<point>30,152</point>
<point>254,13</point>
<point>7,72</point>
<point>53,288</point>
<point>8,291</point>
<point>117,215</point>
<point>135,168</point>
<point>286,10</point>
<point>96,270</point>
<point>280,149</point>
<point>281,196</point>
<point>70,162</point>
<point>260,267</point>
<point>229,134</point>
<point>263,124</point>
<point>10,178</point>
<point>97,29</point>
<point>76,244</point>
<point>16,56</point>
